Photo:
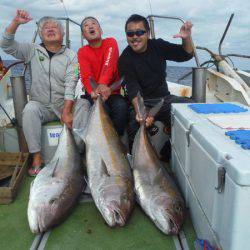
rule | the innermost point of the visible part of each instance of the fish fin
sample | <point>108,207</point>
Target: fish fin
<point>86,180</point>
<point>129,158</point>
<point>104,170</point>
<point>81,132</point>
<point>86,183</point>
<point>93,83</point>
<point>54,170</point>
<point>116,84</point>
<point>158,177</point>
<point>141,107</point>
<point>153,111</point>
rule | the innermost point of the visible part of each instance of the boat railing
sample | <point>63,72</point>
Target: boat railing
<point>220,54</point>
<point>67,30</point>
<point>216,57</point>
<point>67,34</point>
<point>198,83</point>
<point>152,31</point>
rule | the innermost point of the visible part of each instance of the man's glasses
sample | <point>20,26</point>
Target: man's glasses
<point>137,33</point>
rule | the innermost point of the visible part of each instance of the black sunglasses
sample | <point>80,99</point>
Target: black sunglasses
<point>137,33</point>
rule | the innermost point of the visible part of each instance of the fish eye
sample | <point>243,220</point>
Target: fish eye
<point>53,200</point>
<point>177,207</point>
<point>124,197</point>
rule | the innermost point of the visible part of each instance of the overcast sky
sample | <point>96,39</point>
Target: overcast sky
<point>208,17</point>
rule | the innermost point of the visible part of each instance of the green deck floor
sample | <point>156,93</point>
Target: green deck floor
<point>84,229</point>
<point>14,228</point>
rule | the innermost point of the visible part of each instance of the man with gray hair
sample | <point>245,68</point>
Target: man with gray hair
<point>53,80</point>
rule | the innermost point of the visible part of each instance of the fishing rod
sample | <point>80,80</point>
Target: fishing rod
<point>151,22</point>
<point>218,57</point>
<point>13,121</point>
<point>150,7</point>
<point>64,7</point>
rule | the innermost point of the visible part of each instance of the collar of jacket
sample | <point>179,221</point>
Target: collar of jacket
<point>42,49</point>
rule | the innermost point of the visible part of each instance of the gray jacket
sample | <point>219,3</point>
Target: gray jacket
<point>54,79</point>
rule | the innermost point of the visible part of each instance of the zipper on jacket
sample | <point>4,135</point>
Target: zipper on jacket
<point>49,80</point>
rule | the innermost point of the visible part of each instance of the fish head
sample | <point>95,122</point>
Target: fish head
<point>44,208</point>
<point>168,213</point>
<point>117,203</point>
<point>41,217</point>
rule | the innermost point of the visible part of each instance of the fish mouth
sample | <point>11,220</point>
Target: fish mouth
<point>168,215</point>
<point>35,223</point>
<point>40,219</point>
<point>174,223</point>
<point>167,223</point>
<point>118,217</point>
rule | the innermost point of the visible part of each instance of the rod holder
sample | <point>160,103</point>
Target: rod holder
<point>199,84</point>
<point>19,100</point>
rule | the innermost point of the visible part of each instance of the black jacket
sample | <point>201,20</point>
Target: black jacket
<point>146,72</point>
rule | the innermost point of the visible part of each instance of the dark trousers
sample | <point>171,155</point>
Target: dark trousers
<point>164,115</point>
<point>117,108</point>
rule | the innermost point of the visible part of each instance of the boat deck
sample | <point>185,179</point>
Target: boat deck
<point>86,229</point>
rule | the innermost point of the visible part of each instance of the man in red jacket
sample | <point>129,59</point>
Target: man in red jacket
<point>98,60</point>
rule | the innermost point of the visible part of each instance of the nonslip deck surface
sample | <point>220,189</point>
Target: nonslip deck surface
<point>84,229</point>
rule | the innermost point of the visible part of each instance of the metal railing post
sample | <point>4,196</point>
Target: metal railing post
<point>152,28</point>
<point>19,100</point>
<point>181,20</point>
<point>67,34</point>
<point>199,84</point>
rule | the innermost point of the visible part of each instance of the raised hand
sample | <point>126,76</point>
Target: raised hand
<point>21,17</point>
<point>185,31</point>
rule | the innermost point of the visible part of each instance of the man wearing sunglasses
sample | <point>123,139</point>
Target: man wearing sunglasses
<point>143,63</point>
<point>98,60</point>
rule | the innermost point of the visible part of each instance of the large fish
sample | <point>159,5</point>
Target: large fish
<point>109,174</point>
<point>155,190</point>
<point>57,187</point>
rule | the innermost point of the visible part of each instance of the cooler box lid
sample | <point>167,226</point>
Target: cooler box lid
<point>216,108</point>
<point>219,146</point>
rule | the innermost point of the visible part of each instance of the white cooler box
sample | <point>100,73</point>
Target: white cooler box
<point>214,175</point>
<point>50,137</point>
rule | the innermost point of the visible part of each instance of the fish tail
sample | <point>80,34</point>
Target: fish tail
<point>93,83</point>
<point>141,109</point>
<point>153,111</point>
<point>116,84</point>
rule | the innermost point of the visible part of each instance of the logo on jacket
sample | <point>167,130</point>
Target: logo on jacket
<point>108,58</point>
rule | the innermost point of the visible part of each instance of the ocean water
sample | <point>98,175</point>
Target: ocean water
<point>173,73</point>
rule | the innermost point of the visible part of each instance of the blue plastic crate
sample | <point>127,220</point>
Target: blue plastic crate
<point>241,137</point>
<point>216,108</point>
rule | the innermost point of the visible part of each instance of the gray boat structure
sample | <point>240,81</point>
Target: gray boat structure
<point>198,146</point>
